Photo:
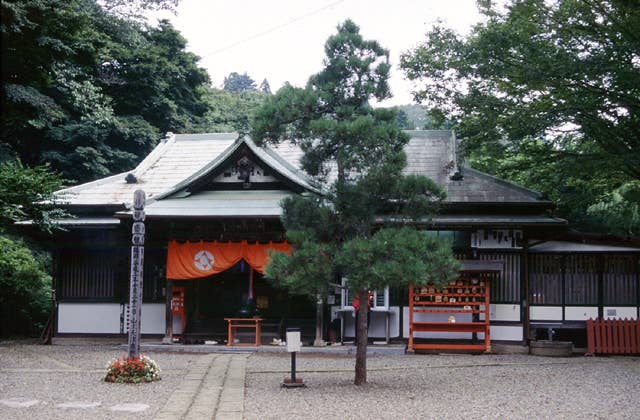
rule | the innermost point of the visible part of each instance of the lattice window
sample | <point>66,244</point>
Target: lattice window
<point>545,279</point>
<point>620,280</point>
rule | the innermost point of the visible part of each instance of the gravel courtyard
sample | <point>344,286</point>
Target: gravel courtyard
<point>41,382</point>
<point>441,386</point>
<point>35,379</point>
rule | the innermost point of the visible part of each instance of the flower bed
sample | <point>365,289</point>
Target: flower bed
<point>132,370</point>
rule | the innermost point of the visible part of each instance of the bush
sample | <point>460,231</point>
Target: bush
<point>132,370</point>
<point>25,290</point>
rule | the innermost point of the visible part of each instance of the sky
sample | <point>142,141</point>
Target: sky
<point>283,40</point>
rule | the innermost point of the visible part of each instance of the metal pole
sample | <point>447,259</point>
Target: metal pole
<point>293,367</point>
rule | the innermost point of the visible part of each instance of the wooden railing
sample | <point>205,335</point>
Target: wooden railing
<point>615,336</point>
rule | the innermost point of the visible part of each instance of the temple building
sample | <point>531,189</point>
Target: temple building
<point>213,212</point>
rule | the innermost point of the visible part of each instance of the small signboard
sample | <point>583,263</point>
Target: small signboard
<point>293,340</point>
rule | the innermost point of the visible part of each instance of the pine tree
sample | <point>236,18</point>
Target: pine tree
<point>355,152</point>
<point>265,87</point>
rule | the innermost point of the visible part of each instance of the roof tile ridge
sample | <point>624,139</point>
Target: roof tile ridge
<point>155,155</point>
<point>212,136</point>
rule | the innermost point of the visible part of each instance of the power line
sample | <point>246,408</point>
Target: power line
<point>272,29</point>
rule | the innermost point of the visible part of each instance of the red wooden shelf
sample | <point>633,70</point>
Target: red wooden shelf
<point>449,294</point>
<point>421,346</point>
<point>425,303</point>
<point>425,307</point>
<point>448,326</point>
<point>449,311</point>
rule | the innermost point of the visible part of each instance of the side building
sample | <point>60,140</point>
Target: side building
<point>213,212</point>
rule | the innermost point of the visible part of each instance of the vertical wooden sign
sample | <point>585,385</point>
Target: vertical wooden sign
<point>137,264</point>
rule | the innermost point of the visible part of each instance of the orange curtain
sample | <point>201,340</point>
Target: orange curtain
<point>192,260</point>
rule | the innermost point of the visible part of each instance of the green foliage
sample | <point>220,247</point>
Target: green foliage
<point>395,257</point>
<point>237,82</point>
<point>620,210</point>
<point>25,290</point>
<point>420,117</point>
<point>308,271</point>
<point>27,194</point>
<point>356,154</point>
<point>89,91</point>
<point>227,111</point>
<point>265,87</point>
<point>331,120</point>
<point>25,287</point>
<point>540,69</point>
<point>546,94</point>
<point>134,9</point>
<point>402,120</point>
<point>574,175</point>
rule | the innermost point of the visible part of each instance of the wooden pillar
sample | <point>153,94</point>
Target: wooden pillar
<point>524,293</point>
<point>600,265</point>
<point>168,314</point>
<point>250,283</point>
<point>319,342</point>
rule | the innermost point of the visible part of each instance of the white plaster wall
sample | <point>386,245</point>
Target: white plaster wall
<point>377,325</point>
<point>502,312</point>
<point>580,313</point>
<point>89,318</point>
<point>506,332</point>
<point>153,318</point>
<point>545,313</point>
<point>152,321</point>
<point>621,312</point>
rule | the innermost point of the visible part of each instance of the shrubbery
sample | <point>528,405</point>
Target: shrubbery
<point>25,290</point>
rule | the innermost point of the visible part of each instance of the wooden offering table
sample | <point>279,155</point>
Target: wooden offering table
<point>234,323</point>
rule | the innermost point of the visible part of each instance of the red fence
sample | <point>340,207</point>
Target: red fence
<point>615,336</point>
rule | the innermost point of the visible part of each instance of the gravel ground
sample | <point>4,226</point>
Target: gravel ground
<point>400,387</point>
<point>55,375</point>
<point>441,386</point>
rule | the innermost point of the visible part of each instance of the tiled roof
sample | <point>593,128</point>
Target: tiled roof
<point>173,160</point>
<point>181,159</point>
<point>221,204</point>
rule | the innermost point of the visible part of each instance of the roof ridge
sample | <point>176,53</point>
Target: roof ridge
<point>207,136</point>
<point>155,155</point>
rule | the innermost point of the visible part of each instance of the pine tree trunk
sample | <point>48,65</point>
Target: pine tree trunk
<point>361,349</point>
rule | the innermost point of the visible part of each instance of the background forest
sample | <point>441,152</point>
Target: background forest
<point>546,94</point>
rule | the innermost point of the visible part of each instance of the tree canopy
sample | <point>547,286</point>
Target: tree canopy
<point>229,111</point>
<point>25,286</point>
<point>560,78</point>
<point>265,87</point>
<point>237,82</point>
<point>27,194</point>
<point>90,92</point>
<point>355,153</point>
